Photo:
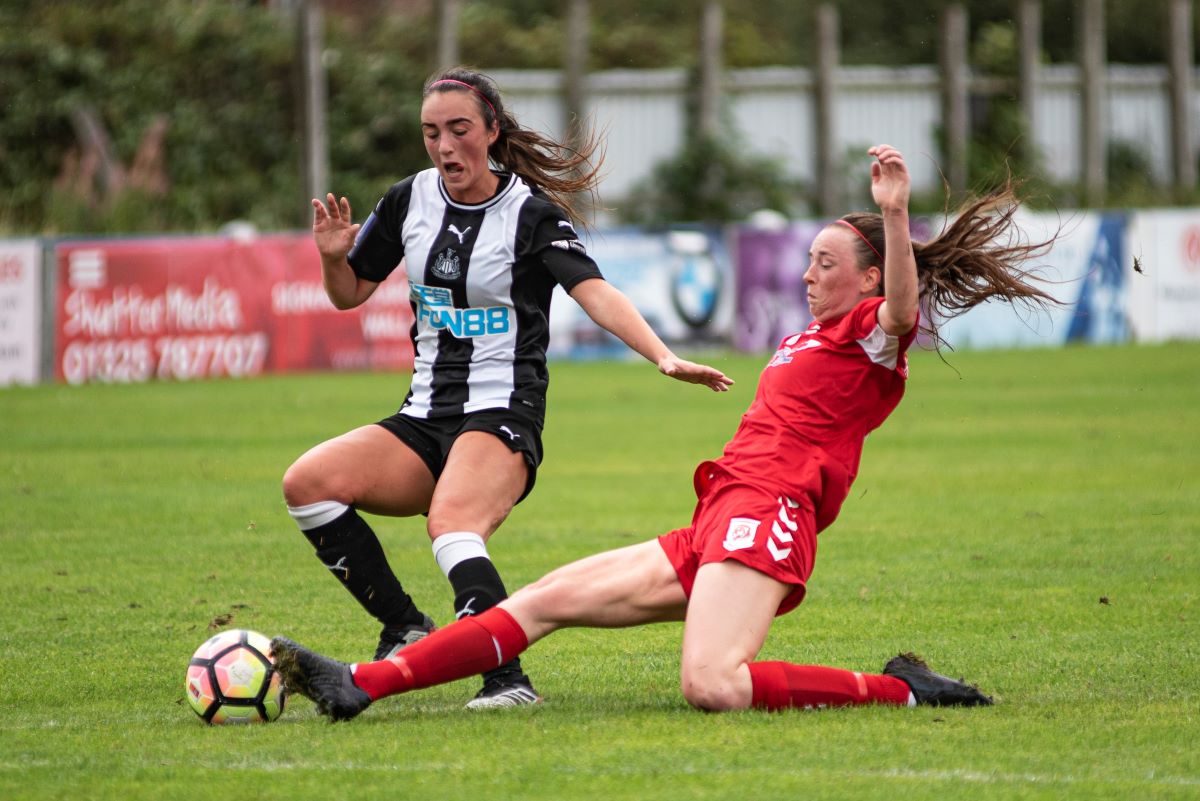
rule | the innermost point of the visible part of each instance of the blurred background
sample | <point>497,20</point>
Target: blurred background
<point>185,115</point>
<point>732,130</point>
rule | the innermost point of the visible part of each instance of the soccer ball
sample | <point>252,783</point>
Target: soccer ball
<point>232,679</point>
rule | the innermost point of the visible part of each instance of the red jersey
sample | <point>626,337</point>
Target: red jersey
<point>820,395</point>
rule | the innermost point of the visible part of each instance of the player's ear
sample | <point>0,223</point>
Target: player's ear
<point>871,280</point>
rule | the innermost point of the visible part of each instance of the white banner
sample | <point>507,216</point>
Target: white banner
<point>1086,270</point>
<point>20,311</point>
<point>681,281</point>
<point>1165,295</point>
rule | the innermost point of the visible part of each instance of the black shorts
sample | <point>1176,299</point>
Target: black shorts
<point>431,438</point>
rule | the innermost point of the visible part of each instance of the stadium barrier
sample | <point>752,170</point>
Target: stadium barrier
<point>681,280</point>
<point>1118,276</point>
<point>1164,290</point>
<point>21,311</point>
<point>182,308</point>
<point>206,307</point>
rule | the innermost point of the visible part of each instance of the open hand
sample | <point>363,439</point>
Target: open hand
<point>332,229</point>
<point>889,179</point>
<point>692,373</point>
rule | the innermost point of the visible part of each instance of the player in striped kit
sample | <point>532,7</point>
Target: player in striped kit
<point>750,548</point>
<point>483,249</point>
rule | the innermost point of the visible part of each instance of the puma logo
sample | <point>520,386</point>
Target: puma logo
<point>460,234</point>
<point>340,565</point>
<point>466,611</point>
<point>511,435</point>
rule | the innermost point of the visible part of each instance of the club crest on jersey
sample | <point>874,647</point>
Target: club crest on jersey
<point>447,266</point>
<point>740,534</point>
<point>782,356</point>
<point>785,353</point>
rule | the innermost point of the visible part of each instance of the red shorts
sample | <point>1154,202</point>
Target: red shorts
<point>735,520</point>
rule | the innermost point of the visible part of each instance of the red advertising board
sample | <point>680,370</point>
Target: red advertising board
<point>188,308</point>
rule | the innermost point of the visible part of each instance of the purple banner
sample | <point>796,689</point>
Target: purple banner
<point>771,299</point>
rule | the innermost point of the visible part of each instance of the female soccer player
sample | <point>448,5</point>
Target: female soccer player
<point>483,250</point>
<point>750,548</point>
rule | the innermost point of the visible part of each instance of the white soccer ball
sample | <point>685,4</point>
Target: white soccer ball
<point>232,679</point>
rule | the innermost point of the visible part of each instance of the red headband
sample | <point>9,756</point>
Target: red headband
<point>482,96</point>
<point>863,237</point>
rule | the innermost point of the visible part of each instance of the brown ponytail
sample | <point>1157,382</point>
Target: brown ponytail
<point>979,255</point>
<point>559,170</point>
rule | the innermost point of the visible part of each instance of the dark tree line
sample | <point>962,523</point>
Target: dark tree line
<point>160,115</point>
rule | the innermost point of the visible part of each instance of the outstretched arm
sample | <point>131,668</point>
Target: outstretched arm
<point>334,235</point>
<point>614,312</point>
<point>890,189</point>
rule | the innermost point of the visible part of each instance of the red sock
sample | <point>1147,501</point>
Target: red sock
<point>782,685</point>
<point>465,648</point>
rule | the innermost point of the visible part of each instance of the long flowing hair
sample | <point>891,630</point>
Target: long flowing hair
<point>980,254</point>
<point>559,170</point>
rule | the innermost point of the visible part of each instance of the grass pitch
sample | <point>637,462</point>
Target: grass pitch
<point>1027,519</point>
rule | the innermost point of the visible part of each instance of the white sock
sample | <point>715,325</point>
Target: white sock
<point>312,515</point>
<point>457,546</point>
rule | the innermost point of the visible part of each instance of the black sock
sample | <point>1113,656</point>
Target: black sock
<point>350,550</point>
<point>477,588</point>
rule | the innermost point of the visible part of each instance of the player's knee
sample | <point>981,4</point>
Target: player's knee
<point>709,689</point>
<point>448,515</point>
<point>295,485</point>
<point>303,484</point>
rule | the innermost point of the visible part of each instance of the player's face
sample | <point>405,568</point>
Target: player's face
<point>834,279</point>
<point>457,142</point>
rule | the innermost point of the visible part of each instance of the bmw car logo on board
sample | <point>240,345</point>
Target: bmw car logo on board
<point>696,278</point>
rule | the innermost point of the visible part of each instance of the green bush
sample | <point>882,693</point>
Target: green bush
<point>225,77</point>
<point>709,181</point>
<point>375,79</point>
<point>222,80</point>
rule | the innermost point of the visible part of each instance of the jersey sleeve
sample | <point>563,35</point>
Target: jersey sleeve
<point>553,242</point>
<point>863,327</point>
<point>865,317</point>
<point>379,246</point>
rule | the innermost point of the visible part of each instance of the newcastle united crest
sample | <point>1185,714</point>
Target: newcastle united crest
<point>447,266</point>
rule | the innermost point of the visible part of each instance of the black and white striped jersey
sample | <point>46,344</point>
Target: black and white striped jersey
<point>480,280</point>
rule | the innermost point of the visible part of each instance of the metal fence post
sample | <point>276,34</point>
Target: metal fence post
<point>1093,92</point>
<point>1179,59</point>
<point>955,115</point>
<point>824,93</point>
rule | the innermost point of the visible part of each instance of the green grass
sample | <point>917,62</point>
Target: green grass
<point>1027,519</point>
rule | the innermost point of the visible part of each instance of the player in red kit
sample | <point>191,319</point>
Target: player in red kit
<point>782,478</point>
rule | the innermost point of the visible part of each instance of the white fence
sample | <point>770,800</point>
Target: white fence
<point>771,114</point>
